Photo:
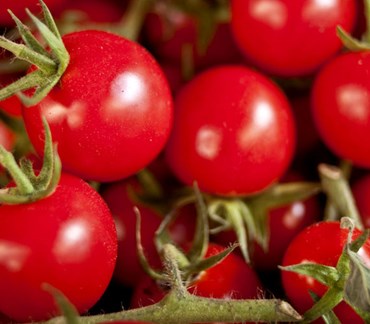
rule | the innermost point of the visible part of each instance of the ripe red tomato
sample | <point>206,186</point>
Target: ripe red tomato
<point>67,240</point>
<point>231,278</point>
<point>341,108</point>
<point>111,113</point>
<point>290,38</point>
<point>18,8</point>
<point>7,137</point>
<point>361,194</point>
<point>234,132</point>
<point>320,243</point>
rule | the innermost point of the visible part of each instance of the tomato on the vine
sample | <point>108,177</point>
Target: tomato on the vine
<point>111,112</point>
<point>234,133</point>
<point>341,108</point>
<point>320,243</point>
<point>67,240</point>
<point>290,38</point>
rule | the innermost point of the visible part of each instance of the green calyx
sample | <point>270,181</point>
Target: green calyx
<point>348,281</point>
<point>50,64</point>
<point>30,186</point>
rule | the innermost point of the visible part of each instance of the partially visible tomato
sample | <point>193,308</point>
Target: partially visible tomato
<point>7,137</point>
<point>234,132</point>
<point>111,112</point>
<point>67,240</point>
<point>341,108</point>
<point>290,38</point>
<point>361,194</point>
<point>231,278</point>
<point>320,243</point>
<point>19,9</point>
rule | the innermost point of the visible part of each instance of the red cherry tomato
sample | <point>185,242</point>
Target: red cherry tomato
<point>290,38</point>
<point>67,240</point>
<point>111,113</point>
<point>231,278</point>
<point>234,132</point>
<point>341,108</point>
<point>320,243</point>
<point>361,194</point>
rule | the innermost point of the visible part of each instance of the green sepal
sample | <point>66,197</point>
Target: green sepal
<point>329,317</point>
<point>67,309</point>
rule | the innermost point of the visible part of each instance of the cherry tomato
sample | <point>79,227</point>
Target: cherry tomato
<point>361,194</point>
<point>111,113</point>
<point>290,38</point>
<point>234,132</point>
<point>67,240</point>
<point>341,108</point>
<point>320,243</point>
<point>12,105</point>
<point>18,8</point>
<point>7,137</point>
<point>231,278</point>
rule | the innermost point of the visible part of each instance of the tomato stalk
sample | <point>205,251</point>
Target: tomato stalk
<point>337,189</point>
<point>179,306</point>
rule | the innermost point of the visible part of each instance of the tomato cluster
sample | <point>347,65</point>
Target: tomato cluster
<point>206,129</point>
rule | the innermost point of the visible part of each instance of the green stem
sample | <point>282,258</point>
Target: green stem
<point>132,22</point>
<point>24,185</point>
<point>339,192</point>
<point>186,308</point>
<point>22,52</point>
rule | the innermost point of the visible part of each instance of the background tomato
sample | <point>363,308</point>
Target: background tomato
<point>67,240</point>
<point>290,38</point>
<point>341,108</point>
<point>234,132</point>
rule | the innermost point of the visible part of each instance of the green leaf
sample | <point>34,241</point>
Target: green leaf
<point>327,275</point>
<point>357,286</point>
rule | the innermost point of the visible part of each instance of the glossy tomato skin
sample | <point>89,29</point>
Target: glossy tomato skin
<point>112,112</point>
<point>321,243</point>
<point>234,132</point>
<point>290,38</point>
<point>18,8</point>
<point>341,108</point>
<point>231,278</point>
<point>67,240</point>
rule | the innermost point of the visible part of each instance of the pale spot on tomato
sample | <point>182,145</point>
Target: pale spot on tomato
<point>13,255</point>
<point>127,88</point>
<point>208,142</point>
<point>271,12</point>
<point>293,215</point>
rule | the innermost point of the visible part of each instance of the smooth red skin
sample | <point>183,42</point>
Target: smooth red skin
<point>341,106</point>
<point>67,240</point>
<point>121,202</point>
<point>12,105</point>
<point>290,38</point>
<point>7,137</point>
<point>18,8</point>
<point>167,30</point>
<point>231,278</point>
<point>361,194</point>
<point>320,243</point>
<point>112,111</point>
<point>221,136</point>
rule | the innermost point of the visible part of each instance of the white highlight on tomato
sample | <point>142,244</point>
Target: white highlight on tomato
<point>271,12</point>
<point>13,255</point>
<point>127,88</point>
<point>208,142</point>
